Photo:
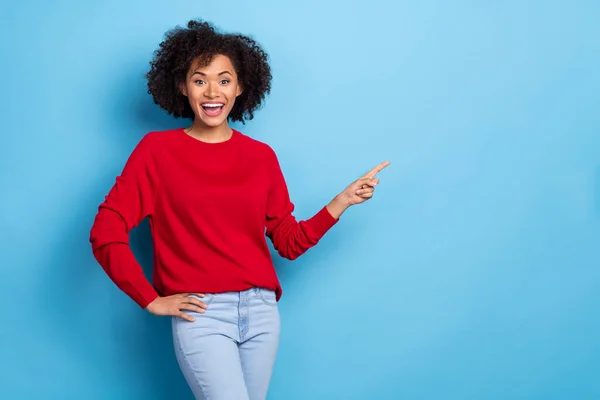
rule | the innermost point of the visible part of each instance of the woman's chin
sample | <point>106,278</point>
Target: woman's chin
<point>213,122</point>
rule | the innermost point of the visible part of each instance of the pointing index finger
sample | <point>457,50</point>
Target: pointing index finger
<point>376,170</point>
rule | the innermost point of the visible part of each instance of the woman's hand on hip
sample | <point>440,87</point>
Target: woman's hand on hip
<point>357,192</point>
<point>175,304</point>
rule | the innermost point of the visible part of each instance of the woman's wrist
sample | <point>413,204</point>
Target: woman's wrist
<point>337,206</point>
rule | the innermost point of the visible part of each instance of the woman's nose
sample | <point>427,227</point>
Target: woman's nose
<point>211,90</point>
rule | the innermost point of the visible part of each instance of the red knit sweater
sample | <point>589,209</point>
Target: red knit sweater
<point>209,206</point>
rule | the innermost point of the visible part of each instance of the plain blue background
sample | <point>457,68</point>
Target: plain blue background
<point>474,272</point>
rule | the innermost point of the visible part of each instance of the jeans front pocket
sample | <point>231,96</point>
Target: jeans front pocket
<point>207,299</point>
<point>267,296</point>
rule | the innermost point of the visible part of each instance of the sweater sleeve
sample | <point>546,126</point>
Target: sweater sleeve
<point>291,238</point>
<point>130,200</point>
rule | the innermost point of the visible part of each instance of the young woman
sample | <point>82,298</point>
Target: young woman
<point>212,196</point>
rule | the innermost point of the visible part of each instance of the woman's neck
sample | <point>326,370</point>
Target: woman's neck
<point>210,134</point>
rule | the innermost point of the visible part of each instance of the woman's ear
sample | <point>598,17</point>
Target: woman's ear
<point>239,90</point>
<point>183,89</point>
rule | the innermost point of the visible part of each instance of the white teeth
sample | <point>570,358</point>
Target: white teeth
<point>212,105</point>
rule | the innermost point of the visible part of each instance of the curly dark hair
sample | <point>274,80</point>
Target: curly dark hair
<point>202,41</point>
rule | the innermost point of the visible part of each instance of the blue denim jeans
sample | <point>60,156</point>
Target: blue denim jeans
<point>228,353</point>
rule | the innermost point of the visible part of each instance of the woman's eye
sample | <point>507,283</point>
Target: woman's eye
<point>224,82</point>
<point>199,82</point>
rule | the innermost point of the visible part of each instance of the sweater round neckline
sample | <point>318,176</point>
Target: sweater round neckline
<point>232,139</point>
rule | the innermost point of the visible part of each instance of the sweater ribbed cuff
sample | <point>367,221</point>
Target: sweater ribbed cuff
<point>321,222</point>
<point>145,296</point>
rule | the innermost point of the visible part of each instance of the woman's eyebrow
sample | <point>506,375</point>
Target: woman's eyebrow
<point>203,74</point>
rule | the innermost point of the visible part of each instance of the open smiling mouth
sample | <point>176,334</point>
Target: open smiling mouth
<point>212,109</point>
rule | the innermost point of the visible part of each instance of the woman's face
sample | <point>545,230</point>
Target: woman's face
<point>212,90</point>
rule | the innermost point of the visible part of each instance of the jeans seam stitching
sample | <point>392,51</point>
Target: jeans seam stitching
<point>185,359</point>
